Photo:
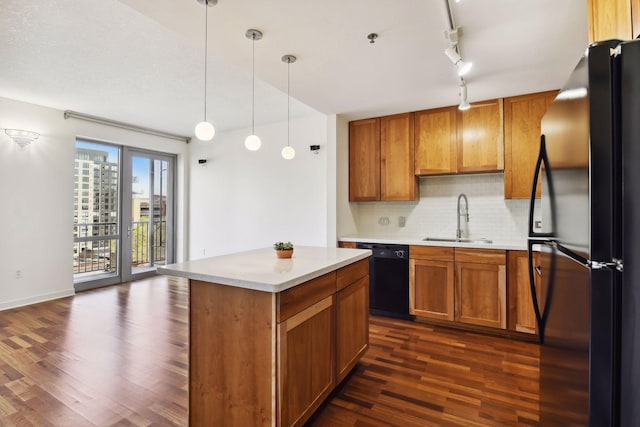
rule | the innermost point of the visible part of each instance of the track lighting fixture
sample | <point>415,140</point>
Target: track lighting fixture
<point>454,56</point>
<point>464,104</point>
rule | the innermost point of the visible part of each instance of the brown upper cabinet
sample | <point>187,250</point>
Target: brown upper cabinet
<point>635,18</point>
<point>381,159</point>
<point>364,160</point>
<point>480,137</point>
<point>397,150</point>
<point>522,116</point>
<point>436,145</point>
<point>452,141</point>
<point>618,19</point>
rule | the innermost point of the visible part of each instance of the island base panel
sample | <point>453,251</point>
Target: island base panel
<point>231,376</point>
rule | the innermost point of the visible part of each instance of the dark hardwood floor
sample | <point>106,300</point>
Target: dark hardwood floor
<point>117,356</point>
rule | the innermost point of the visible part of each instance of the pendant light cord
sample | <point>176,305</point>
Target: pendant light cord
<point>206,38</point>
<point>288,98</point>
<point>253,83</point>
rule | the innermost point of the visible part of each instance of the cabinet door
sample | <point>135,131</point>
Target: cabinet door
<point>350,245</point>
<point>364,160</point>
<point>610,19</point>
<point>522,317</point>
<point>522,116</point>
<point>305,362</point>
<point>397,175</point>
<point>431,288</point>
<point>635,19</point>
<point>436,141</point>
<point>480,137</point>
<point>352,326</point>
<point>480,294</point>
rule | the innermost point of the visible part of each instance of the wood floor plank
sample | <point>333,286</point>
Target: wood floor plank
<point>118,356</point>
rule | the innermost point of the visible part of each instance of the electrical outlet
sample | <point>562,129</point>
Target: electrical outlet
<point>204,252</point>
<point>18,274</point>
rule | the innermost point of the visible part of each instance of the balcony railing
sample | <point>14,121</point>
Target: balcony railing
<point>140,243</point>
<point>96,246</point>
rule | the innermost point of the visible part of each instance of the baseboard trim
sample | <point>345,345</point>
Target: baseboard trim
<point>6,305</point>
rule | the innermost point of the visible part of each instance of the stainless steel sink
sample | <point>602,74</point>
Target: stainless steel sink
<point>454,240</point>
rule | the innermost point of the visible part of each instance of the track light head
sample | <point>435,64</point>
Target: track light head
<point>464,104</point>
<point>454,56</point>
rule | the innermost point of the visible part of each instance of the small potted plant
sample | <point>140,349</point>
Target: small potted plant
<point>283,249</point>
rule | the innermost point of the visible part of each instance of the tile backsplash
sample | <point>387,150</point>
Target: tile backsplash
<point>435,213</point>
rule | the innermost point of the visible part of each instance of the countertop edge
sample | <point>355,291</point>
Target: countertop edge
<point>260,286</point>
<point>510,246</point>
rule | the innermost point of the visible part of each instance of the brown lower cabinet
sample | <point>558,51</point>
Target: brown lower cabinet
<point>522,317</point>
<point>431,272</point>
<point>481,287</point>
<point>352,326</point>
<point>319,345</point>
<point>459,284</point>
<point>305,362</point>
<point>351,245</point>
<point>270,359</point>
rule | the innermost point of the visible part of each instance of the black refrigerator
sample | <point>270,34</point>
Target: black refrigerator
<point>587,297</point>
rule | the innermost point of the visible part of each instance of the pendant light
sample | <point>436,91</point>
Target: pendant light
<point>288,152</point>
<point>252,142</point>
<point>204,130</point>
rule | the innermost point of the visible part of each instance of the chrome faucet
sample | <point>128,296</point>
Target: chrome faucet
<point>466,213</point>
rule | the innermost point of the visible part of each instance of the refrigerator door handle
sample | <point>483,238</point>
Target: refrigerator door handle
<point>614,264</point>
<point>542,160</point>
<point>570,254</point>
<point>532,285</point>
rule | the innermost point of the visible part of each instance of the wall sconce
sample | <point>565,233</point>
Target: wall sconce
<point>22,137</point>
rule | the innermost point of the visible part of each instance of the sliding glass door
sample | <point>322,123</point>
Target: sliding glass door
<point>148,214</point>
<point>123,213</point>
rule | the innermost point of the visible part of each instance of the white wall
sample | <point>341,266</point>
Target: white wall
<point>347,213</point>
<point>245,200</point>
<point>435,213</point>
<point>36,192</point>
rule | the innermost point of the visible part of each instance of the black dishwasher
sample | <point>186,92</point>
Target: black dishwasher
<point>388,279</point>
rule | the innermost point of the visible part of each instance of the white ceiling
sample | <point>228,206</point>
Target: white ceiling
<point>141,61</point>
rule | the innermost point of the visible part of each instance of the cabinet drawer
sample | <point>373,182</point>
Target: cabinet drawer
<point>481,256</point>
<point>434,253</point>
<point>296,299</point>
<point>350,245</point>
<point>349,274</point>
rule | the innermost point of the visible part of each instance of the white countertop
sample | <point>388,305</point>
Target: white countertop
<point>503,245</point>
<point>262,270</point>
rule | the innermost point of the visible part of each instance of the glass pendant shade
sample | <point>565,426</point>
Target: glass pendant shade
<point>288,153</point>
<point>252,143</point>
<point>205,131</point>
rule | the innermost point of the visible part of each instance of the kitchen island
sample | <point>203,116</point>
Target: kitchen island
<point>270,338</point>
